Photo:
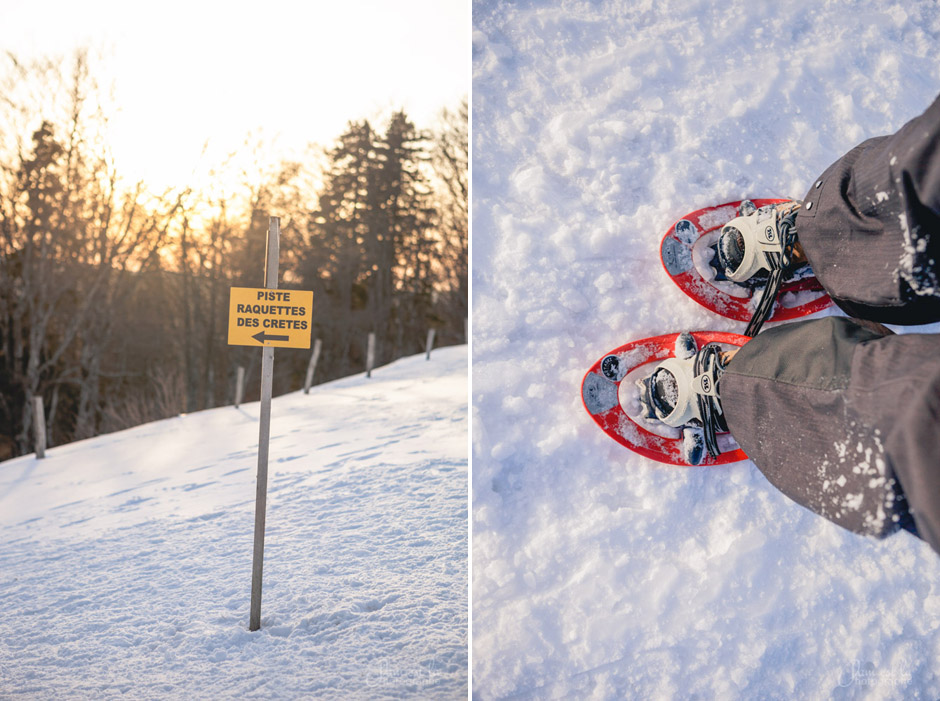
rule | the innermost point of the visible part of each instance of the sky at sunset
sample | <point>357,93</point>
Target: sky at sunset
<point>184,73</point>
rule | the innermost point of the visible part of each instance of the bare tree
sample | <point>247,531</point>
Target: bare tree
<point>451,166</point>
<point>66,253</point>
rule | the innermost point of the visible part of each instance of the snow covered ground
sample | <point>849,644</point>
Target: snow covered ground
<point>596,573</point>
<point>125,560</point>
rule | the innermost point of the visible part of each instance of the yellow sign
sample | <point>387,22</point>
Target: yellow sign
<point>262,317</point>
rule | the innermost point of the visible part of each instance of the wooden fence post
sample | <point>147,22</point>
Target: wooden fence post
<point>312,365</point>
<point>239,386</point>
<point>370,355</point>
<point>39,426</point>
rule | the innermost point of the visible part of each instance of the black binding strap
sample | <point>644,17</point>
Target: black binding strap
<point>708,361</point>
<point>779,263</point>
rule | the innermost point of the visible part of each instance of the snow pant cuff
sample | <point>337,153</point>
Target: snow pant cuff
<point>868,225</point>
<point>788,398</point>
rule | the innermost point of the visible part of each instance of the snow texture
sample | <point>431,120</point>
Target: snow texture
<point>596,573</point>
<point>125,564</point>
<point>917,268</point>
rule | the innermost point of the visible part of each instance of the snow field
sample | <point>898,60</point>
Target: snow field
<point>596,573</point>
<point>125,568</point>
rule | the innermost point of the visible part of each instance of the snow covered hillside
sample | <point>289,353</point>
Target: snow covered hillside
<point>596,573</point>
<point>125,561</point>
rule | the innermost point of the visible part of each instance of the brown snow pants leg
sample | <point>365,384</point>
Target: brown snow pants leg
<point>870,225</point>
<point>844,418</point>
<point>840,415</point>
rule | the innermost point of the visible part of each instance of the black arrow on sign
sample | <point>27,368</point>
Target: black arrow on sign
<point>263,336</point>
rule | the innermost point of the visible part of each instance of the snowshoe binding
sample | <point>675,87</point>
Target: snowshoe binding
<point>682,392</point>
<point>757,248</point>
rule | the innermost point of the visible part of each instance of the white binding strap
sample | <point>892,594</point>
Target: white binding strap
<point>761,236</point>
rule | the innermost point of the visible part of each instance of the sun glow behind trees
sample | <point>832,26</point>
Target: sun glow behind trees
<point>188,81</point>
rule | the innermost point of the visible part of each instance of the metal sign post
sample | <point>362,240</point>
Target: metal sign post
<point>264,434</point>
<point>267,318</point>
